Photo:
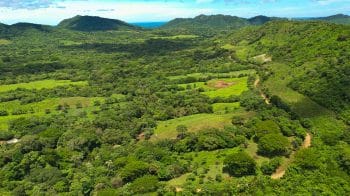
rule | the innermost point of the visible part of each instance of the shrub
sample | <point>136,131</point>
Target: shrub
<point>239,164</point>
<point>268,167</point>
<point>144,184</point>
<point>273,145</point>
<point>3,113</point>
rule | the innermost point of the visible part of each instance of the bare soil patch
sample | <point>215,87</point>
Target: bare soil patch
<point>222,84</point>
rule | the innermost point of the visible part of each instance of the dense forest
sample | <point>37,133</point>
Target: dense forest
<point>214,105</point>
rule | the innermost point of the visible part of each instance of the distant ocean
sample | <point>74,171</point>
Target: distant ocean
<point>149,25</point>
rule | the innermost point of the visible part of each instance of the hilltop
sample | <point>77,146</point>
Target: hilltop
<point>94,23</point>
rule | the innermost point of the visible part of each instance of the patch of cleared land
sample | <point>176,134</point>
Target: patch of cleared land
<point>5,42</point>
<point>224,108</point>
<point>176,37</point>
<point>210,164</point>
<point>233,74</point>
<point>197,122</point>
<point>194,123</point>
<point>225,87</point>
<point>39,108</point>
<point>42,84</point>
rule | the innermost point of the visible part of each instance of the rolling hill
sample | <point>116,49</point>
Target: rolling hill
<point>94,23</point>
<point>338,19</point>
<point>212,21</point>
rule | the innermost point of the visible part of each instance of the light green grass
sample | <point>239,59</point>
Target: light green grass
<point>39,108</point>
<point>228,47</point>
<point>194,85</point>
<point>232,74</point>
<point>211,160</point>
<point>322,118</point>
<point>235,87</point>
<point>5,42</point>
<point>239,85</point>
<point>222,108</point>
<point>167,129</point>
<point>176,37</point>
<point>252,150</point>
<point>42,84</point>
<point>70,43</point>
<point>195,123</point>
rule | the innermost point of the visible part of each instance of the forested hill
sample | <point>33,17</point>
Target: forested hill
<point>260,20</point>
<point>94,110</point>
<point>213,21</point>
<point>318,50</point>
<point>94,23</point>
<point>8,31</point>
<point>338,19</point>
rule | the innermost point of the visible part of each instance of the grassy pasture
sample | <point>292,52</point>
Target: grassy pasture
<point>176,37</point>
<point>195,123</point>
<point>69,43</point>
<point>5,42</point>
<point>232,74</point>
<point>321,118</point>
<point>42,84</point>
<point>222,108</point>
<point>238,86</point>
<point>210,163</point>
<point>220,87</point>
<point>39,108</point>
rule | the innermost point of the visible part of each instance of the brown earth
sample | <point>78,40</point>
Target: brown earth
<point>222,84</point>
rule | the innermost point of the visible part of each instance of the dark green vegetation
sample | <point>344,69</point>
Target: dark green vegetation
<point>132,111</point>
<point>338,19</point>
<point>94,23</point>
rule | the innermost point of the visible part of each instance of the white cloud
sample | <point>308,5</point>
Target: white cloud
<point>131,12</point>
<point>204,1</point>
<point>327,2</point>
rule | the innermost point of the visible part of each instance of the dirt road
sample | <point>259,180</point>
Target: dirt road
<point>281,170</point>
<point>256,84</point>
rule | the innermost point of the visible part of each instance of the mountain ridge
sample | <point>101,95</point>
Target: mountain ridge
<point>94,23</point>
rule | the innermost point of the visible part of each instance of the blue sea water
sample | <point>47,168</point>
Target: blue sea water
<point>149,25</point>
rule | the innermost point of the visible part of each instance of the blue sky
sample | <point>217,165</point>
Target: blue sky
<point>53,11</point>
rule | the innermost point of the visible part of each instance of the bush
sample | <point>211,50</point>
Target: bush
<point>273,145</point>
<point>308,159</point>
<point>266,127</point>
<point>144,184</point>
<point>239,164</point>
<point>133,170</point>
<point>268,167</point>
<point>3,113</point>
<point>6,135</point>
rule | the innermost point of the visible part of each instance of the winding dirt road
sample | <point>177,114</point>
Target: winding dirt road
<point>281,170</point>
<point>256,84</point>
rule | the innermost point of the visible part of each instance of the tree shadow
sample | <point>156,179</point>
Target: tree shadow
<point>152,47</point>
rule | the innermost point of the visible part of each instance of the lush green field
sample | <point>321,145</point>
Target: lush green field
<point>194,123</point>
<point>39,108</point>
<point>42,84</point>
<point>223,108</point>
<point>232,74</point>
<point>176,37</point>
<point>197,122</point>
<point>322,118</point>
<point>209,164</point>
<point>235,87</point>
<point>4,42</point>
<point>225,87</point>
